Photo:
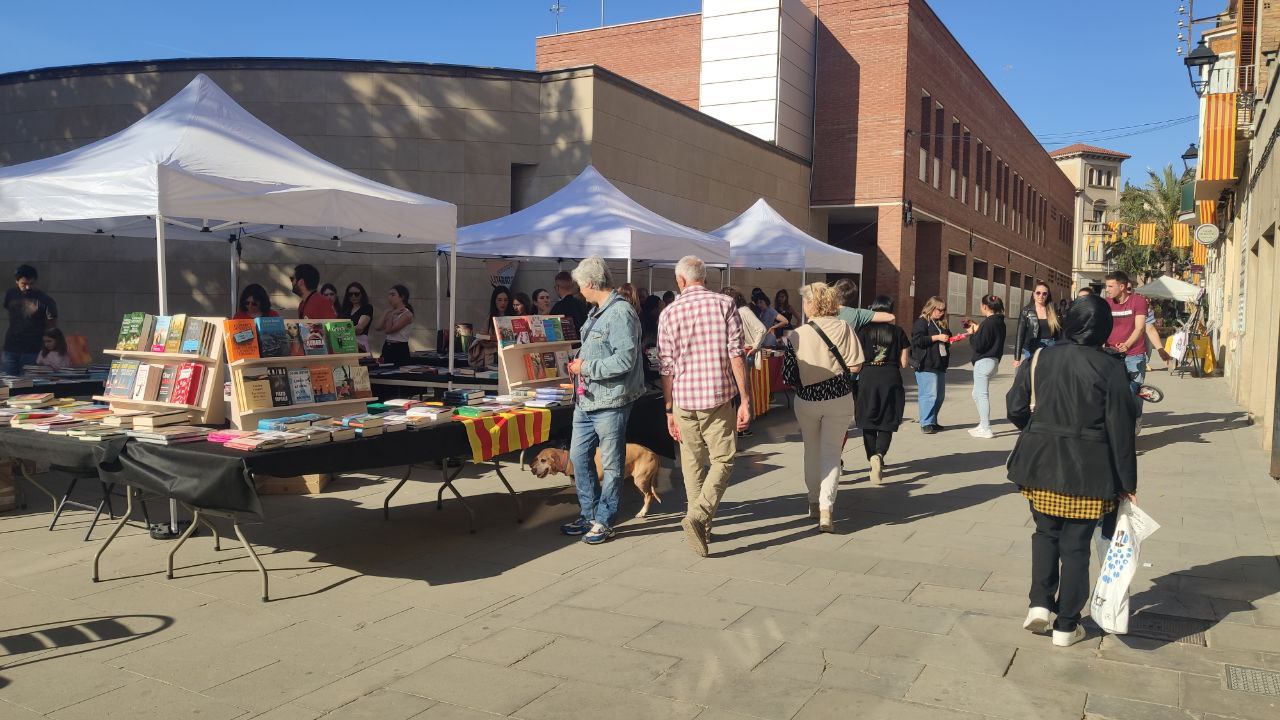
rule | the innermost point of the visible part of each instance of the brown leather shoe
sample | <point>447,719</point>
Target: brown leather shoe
<point>696,533</point>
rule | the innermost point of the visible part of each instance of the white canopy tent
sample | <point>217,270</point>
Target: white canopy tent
<point>1170,288</point>
<point>202,167</point>
<point>590,216</point>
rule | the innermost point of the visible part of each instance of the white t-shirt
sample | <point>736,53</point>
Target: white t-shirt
<point>401,335</point>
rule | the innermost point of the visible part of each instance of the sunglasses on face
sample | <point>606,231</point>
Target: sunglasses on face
<point>1041,294</point>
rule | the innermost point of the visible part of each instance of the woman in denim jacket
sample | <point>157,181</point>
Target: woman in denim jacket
<point>609,377</point>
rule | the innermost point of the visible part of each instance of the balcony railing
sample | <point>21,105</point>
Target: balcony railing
<point>1238,80</point>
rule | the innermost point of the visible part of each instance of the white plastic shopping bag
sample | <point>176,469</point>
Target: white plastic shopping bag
<point>1178,347</point>
<point>1110,605</point>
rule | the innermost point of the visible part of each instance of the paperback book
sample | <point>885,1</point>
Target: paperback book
<point>272,340</point>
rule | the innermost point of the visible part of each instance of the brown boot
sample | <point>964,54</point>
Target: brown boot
<point>824,521</point>
<point>696,533</point>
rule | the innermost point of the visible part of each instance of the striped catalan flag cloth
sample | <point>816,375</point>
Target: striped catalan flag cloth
<point>506,432</point>
<point>759,385</point>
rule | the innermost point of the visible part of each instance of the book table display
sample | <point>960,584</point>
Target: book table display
<point>533,351</point>
<point>167,365</point>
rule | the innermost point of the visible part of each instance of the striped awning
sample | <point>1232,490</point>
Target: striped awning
<point>1147,234</point>
<point>1218,138</point>
<point>1199,254</point>
<point>1181,235</point>
<point>1208,211</point>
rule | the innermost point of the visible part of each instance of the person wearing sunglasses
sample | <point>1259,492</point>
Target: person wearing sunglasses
<point>1038,325</point>
<point>356,305</point>
<point>254,303</point>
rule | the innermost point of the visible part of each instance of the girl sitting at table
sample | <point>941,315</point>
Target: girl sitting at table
<point>54,355</point>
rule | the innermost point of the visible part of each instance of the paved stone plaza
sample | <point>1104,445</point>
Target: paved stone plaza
<point>912,609</point>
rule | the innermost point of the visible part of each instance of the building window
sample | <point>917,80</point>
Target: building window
<point>1099,212</point>
<point>1108,181</point>
<point>1004,201</point>
<point>955,154</point>
<point>926,117</point>
<point>1095,250</point>
<point>986,183</point>
<point>964,167</point>
<point>937,145</point>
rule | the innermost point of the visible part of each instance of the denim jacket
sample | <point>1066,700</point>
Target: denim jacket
<point>612,369</point>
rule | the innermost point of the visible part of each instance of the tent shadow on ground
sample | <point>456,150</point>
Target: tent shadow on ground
<point>44,641</point>
<point>1189,428</point>
<point>1209,592</point>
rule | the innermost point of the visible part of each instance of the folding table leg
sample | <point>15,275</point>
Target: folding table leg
<point>128,511</point>
<point>64,501</point>
<point>252,556</point>
<point>448,483</point>
<point>38,485</point>
<point>97,513</point>
<point>195,522</point>
<point>514,495</point>
<point>213,529</point>
<point>386,502</point>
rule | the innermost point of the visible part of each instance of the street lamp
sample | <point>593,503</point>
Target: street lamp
<point>1201,57</point>
<point>1190,157</point>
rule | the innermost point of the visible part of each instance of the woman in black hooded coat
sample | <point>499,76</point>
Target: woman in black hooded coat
<point>1074,458</point>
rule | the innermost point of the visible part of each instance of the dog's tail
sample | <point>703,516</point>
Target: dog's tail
<point>654,495</point>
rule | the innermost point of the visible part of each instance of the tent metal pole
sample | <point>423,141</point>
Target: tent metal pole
<point>628,268</point>
<point>163,287</point>
<point>453,304</point>
<point>728,275</point>
<point>650,281</point>
<point>859,289</point>
<point>803,282</point>
<point>439,292</point>
<point>235,277</point>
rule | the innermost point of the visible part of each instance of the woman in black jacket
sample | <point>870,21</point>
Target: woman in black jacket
<point>1038,325</point>
<point>987,342</point>
<point>1074,458</point>
<point>929,351</point>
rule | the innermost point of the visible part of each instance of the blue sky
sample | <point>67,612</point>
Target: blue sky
<point>1071,69</point>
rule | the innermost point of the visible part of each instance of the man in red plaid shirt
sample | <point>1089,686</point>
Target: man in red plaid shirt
<point>700,349</point>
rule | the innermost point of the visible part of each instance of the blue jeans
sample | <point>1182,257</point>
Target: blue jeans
<point>983,371</point>
<point>931,389</point>
<point>1137,367</point>
<point>12,362</point>
<point>607,429</point>
<point>1026,354</point>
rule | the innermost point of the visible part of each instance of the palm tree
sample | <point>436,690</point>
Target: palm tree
<point>1158,202</point>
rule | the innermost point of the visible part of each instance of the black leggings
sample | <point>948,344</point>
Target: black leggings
<point>876,442</point>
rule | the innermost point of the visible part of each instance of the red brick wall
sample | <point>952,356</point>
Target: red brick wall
<point>663,55</point>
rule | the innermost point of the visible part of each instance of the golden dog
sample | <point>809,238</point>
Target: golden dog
<point>641,466</point>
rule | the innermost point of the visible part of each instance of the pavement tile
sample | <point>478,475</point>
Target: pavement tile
<point>412,626</point>
<point>146,596</point>
<point>750,693</point>
<point>781,597</point>
<point>1006,631</point>
<point>148,698</point>
<point>685,609</point>
<point>940,650</point>
<point>948,575</point>
<point>1001,697</point>
<point>837,704</point>
<point>976,543</point>
<point>476,685</point>
<point>581,699</point>
<point>747,568</point>
<point>194,663</point>
<point>269,687</point>
<point>27,683</point>
<point>326,649</point>
<point>843,561</point>
<point>1178,656</point>
<point>448,711</point>
<point>1244,637</point>
<point>602,665</point>
<point>587,624</point>
<point>849,584</point>
<point>1211,695</point>
<point>604,596</point>
<point>826,631</point>
<point>507,646</point>
<point>883,676</point>
<point>1103,707</point>
<point>659,579</point>
<point>706,645</point>
<point>289,711</point>
<point>986,602</point>
<point>892,614</point>
<point>382,705</point>
<point>1108,677</point>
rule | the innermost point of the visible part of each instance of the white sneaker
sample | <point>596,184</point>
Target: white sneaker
<point>1037,620</point>
<point>1067,639</point>
<point>981,432</point>
<point>877,470</point>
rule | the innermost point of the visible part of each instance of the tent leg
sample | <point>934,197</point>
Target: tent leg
<point>163,287</point>
<point>728,275</point>
<point>439,293</point>
<point>650,285</point>
<point>803,282</point>
<point>453,305</point>
<point>628,268</point>
<point>859,289</point>
<point>235,277</point>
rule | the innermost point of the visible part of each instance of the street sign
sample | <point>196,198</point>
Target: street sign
<point>1207,234</point>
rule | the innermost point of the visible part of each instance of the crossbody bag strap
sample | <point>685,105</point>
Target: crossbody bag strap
<point>830,346</point>
<point>1035,357</point>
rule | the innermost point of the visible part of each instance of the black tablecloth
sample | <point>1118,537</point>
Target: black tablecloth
<point>210,476</point>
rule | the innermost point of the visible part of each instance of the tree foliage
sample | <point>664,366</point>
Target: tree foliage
<point>1159,202</point>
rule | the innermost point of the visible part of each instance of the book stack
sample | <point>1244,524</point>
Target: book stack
<point>31,401</point>
<point>462,396</point>
<point>171,435</point>
<point>469,412</point>
<point>141,332</point>
<point>424,415</point>
<point>266,441</point>
<point>268,337</point>
<point>547,397</point>
<point>291,424</point>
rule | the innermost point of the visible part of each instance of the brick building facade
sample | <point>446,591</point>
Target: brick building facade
<point>904,119</point>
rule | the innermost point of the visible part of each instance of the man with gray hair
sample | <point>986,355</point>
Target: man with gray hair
<point>608,377</point>
<point>700,349</point>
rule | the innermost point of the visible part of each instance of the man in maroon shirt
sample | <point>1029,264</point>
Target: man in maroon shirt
<point>1128,329</point>
<point>314,306</point>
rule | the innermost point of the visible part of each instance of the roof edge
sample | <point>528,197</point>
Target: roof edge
<point>617,25</point>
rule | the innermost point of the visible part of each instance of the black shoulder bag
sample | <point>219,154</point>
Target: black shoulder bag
<point>850,379</point>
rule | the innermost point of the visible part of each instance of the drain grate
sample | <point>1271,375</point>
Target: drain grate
<point>1170,628</point>
<point>1253,680</point>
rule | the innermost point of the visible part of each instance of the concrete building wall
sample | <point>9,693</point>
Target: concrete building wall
<point>1087,269</point>
<point>450,133</point>
<point>660,54</point>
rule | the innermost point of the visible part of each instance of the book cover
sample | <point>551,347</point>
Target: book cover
<point>344,386</point>
<point>520,330</point>
<point>128,372</point>
<point>241,339</point>
<point>293,337</point>
<point>111,386</point>
<point>322,389</point>
<point>300,386</point>
<point>192,337</point>
<point>537,331</point>
<point>272,341</point>
<point>173,341</point>
<point>504,331</point>
<point>186,384</point>
<point>551,325</point>
<point>167,376</point>
<point>257,393</point>
<point>161,334</point>
<point>341,335</point>
<point>360,381</point>
<point>278,377</point>
<point>208,339</point>
<point>130,331</point>
<point>562,363</point>
<point>549,364</point>
<point>568,328</point>
<point>313,342</point>
<point>146,382</point>
<point>533,363</point>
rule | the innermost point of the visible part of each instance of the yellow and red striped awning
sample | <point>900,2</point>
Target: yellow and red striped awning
<point>1147,234</point>
<point>1218,138</point>
<point>1199,254</point>
<point>1208,211</point>
<point>1181,235</point>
